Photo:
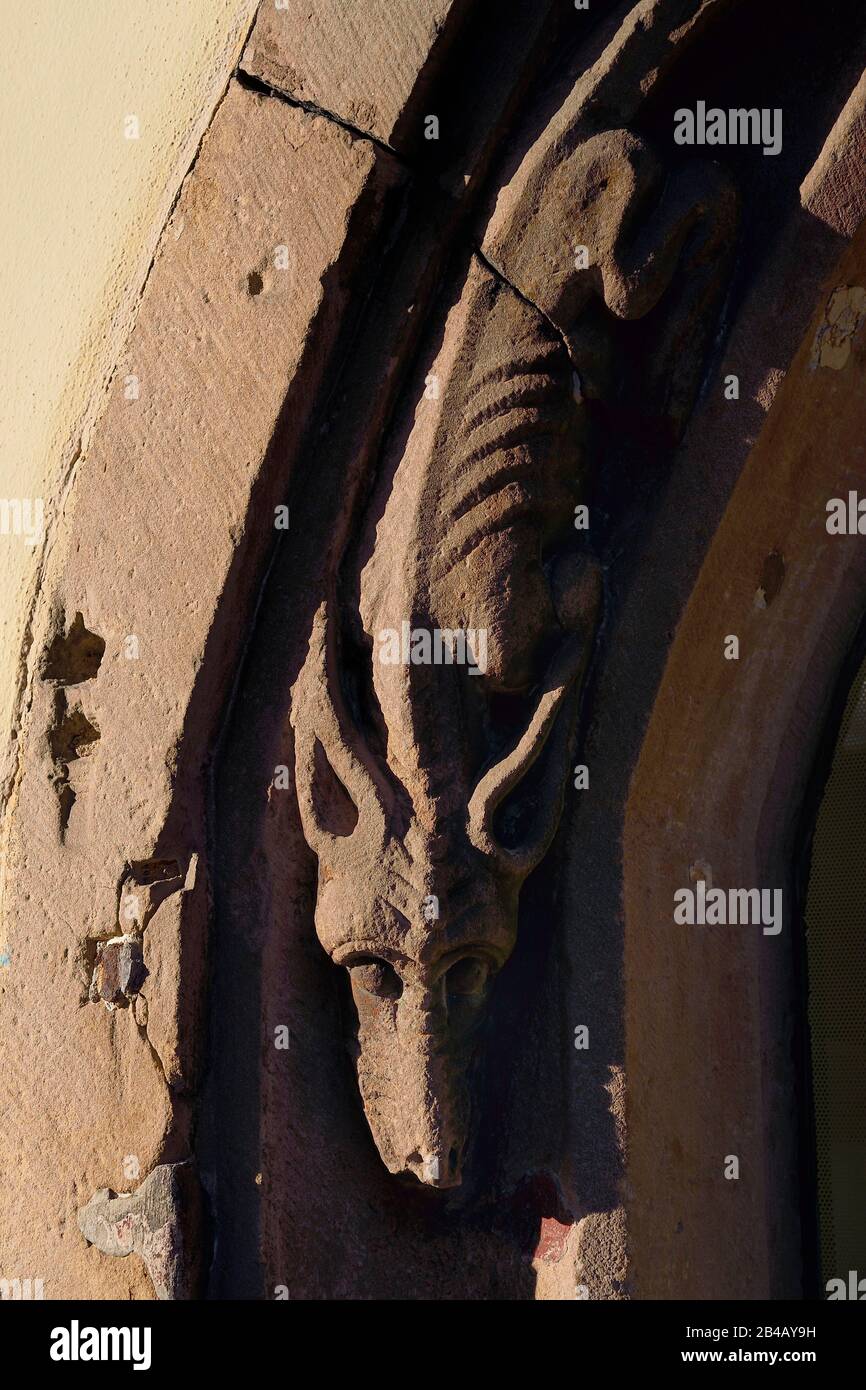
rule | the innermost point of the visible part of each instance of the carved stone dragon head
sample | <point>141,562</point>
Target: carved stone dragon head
<point>430,788</point>
<point>408,774</point>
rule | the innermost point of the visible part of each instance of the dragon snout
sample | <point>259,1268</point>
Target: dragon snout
<point>421,1130</point>
<point>415,1095</point>
<point>417,1029</point>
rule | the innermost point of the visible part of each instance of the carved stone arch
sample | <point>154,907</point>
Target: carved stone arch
<point>709,802</point>
<point>379,378</point>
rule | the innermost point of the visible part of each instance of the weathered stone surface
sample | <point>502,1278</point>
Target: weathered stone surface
<point>119,972</point>
<point>833,189</point>
<point>716,795</point>
<point>369,65</point>
<point>150,883</point>
<point>242,316</point>
<point>161,1222</point>
<point>836,335</point>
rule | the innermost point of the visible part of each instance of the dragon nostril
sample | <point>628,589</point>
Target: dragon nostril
<point>467,976</point>
<point>377,977</point>
<point>452,1160</point>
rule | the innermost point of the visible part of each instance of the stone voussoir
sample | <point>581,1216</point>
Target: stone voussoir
<point>362,64</point>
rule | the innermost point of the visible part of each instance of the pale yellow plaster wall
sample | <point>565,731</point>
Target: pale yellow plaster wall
<point>83,206</point>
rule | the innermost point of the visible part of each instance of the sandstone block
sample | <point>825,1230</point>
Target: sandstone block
<point>368,65</point>
<point>241,316</point>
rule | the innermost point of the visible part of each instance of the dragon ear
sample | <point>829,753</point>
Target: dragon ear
<point>549,731</point>
<point>341,790</point>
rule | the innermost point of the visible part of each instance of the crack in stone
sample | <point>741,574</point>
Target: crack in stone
<point>504,280</point>
<point>257,84</point>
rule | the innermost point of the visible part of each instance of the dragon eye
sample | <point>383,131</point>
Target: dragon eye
<point>377,977</point>
<point>467,976</point>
